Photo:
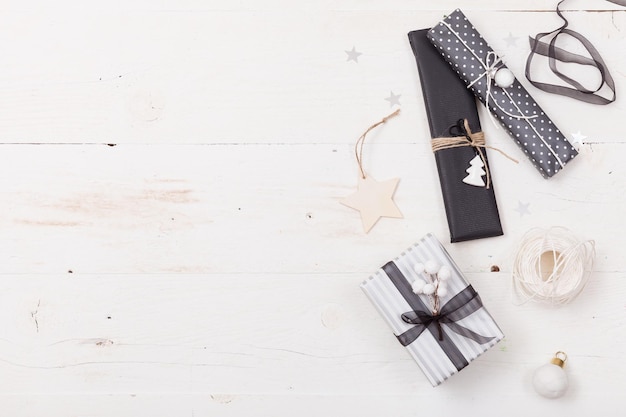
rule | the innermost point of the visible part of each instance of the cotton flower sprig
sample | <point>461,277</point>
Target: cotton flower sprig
<point>437,286</point>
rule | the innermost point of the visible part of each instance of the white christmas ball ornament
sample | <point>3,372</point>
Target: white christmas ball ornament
<point>418,268</point>
<point>429,289</point>
<point>550,380</point>
<point>418,286</point>
<point>504,78</point>
<point>444,273</point>
<point>431,267</point>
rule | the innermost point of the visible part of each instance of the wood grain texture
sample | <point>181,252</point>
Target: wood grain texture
<point>264,76</point>
<point>269,208</point>
<point>172,238</point>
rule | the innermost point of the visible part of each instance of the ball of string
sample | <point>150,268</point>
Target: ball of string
<point>551,266</point>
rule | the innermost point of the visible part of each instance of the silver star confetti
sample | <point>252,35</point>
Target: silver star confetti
<point>511,41</point>
<point>522,208</point>
<point>393,99</point>
<point>353,55</point>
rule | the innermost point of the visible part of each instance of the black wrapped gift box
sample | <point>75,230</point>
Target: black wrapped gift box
<point>471,211</point>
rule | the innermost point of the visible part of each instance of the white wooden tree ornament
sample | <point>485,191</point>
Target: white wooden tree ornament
<point>475,172</point>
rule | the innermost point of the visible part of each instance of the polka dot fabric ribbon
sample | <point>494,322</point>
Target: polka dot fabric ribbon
<point>469,55</point>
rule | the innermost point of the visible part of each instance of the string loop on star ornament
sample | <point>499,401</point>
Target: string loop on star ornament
<point>551,266</point>
<point>373,199</point>
<point>358,146</point>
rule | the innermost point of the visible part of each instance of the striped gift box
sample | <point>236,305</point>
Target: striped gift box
<point>467,328</point>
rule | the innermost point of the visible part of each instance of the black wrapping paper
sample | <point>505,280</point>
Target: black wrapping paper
<point>471,211</point>
<point>469,55</point>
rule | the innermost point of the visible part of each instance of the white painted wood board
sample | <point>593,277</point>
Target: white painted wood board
<point>203,264</point>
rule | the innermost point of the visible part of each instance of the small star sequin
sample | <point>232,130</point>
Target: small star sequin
<point>353,55</point>
<point>393,99</point>
<point>522,208</point>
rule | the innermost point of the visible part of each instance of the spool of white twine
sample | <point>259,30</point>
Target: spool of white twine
<point>552,266</point>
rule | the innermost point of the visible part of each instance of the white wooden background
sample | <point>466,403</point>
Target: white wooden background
<point>204,266</point>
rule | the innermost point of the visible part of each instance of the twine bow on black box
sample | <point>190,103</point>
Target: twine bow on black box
<point>461,135</point>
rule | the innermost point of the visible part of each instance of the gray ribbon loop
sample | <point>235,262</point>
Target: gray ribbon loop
<point>554,54</point>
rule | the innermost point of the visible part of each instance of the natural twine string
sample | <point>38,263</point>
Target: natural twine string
<point>358,147</point>
<point>476,140</point>
<point>572,266</point>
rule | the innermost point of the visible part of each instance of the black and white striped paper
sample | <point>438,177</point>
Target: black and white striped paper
<point>425,350</point>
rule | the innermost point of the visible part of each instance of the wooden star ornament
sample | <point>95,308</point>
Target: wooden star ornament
<point>374,199</point>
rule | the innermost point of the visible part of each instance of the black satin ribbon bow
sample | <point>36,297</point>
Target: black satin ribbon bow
<point>460,306</point>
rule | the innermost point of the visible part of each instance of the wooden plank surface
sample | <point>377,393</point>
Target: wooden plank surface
<point>266,76</point>
<point>173,242</point>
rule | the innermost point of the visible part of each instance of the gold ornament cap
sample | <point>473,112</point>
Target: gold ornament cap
<point>559,359</point>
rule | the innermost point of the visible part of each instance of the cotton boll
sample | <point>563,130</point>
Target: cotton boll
<point>418,268</point>
<point>418,286</point>
<point>444,273</point>
<point>431,267</point>
<point>442,291</point>
<point>429,289</point>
